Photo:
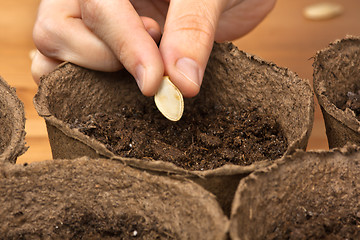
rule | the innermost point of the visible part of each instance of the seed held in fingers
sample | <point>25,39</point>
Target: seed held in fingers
<point>169,100</point>
<point>322,11</point>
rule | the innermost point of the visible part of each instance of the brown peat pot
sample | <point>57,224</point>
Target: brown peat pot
<point>103,199</point>
<point>233,81</point>
<point>336,77</point>
<point>309,195</point>
<point>12,122</point>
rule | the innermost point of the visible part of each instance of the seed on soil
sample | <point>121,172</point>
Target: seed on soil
<point>322,11</point>
<point>169,100</point>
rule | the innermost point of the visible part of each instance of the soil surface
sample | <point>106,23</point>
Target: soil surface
<point>316,219</point>
<point>315,199</point>
<point>203,139</point>
<point>123,227</point>
<point>353,102</point>
<point>5,130</point>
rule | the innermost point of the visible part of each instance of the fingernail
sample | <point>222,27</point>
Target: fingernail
<point>189,69</point>
<point>140,76</point>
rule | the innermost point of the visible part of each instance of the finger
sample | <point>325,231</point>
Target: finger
<point>155,9</point>
<point>152,27</point>
<point>118,24</point>
<point>240,17</point>
<point>187,41</point>
<point>59,33</point>
<point>42,65</point>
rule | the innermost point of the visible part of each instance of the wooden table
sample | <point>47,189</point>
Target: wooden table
<point>284,37</point>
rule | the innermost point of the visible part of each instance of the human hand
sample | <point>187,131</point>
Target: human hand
<point>108,35</point>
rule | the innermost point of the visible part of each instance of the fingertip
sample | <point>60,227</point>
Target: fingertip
<point>187,88</point>
<point>187,76</point>
<point>42,65</point>
<point>149,78</point>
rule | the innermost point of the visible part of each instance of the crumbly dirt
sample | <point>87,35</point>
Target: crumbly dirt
<point>203,139</point>
<point>320,201</point>
<point>123,227</point>
<point>316,219</point>
<point>353,102</point>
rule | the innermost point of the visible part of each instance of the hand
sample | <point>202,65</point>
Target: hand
<point>108,35</point>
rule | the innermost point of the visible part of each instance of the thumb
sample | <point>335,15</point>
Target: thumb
<point>187,41</point>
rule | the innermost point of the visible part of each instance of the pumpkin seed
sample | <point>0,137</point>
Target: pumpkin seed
<point>169,100</point>
<point>322,11</point>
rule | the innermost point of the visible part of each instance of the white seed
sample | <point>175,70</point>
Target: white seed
<point>322,11</point>
<point>169,100</point>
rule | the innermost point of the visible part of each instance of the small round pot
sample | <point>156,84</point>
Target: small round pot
<point>336,72</point>
<point>12,122</point>
<point>232,79</point>
<point>309,195</point>
<point>103,199</point>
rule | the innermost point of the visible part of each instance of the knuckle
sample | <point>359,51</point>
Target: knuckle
<point>89,11</point>
<point>46,35</point>
<point>196,27</point>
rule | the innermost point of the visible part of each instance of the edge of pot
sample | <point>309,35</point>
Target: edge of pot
<point>16,146</point>
<point>346,117</point>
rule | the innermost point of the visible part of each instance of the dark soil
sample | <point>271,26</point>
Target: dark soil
<point>353,102</point>
<point>322,200</point>
<point>203,139</point>
<point>317,219</point>
<point>89,226</point>
<point>5,129</point>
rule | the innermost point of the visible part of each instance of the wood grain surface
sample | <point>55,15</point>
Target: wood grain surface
<point>285,37</point>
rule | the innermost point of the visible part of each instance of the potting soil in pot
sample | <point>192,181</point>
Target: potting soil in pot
<point>205,138</point>
<point>352,102</point>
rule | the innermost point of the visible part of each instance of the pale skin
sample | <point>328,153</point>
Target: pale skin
<point>108,35</point>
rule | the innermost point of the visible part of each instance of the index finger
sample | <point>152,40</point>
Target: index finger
<point>118,24</point>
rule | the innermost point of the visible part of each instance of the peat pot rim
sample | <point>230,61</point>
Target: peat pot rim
<point>346,117</point>
<point>41,106</point>
<point>16,146</point>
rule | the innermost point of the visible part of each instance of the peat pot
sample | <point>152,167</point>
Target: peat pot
<point>233,81</point>
<point>336,79</point>
<point>12,122</point>
<point>103,199</point>
<point>309,195</point>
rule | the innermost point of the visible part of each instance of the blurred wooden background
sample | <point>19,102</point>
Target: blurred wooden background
<point>284,37</point>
